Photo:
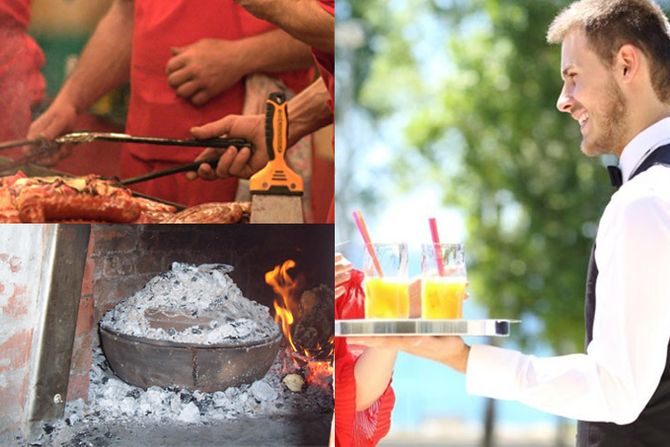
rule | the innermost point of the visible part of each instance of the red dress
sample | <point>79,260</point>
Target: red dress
<point>21,83</point>
<point>156,110</point>
<point>356,428</point>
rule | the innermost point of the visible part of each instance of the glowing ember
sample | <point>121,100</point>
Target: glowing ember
<point>287,307</point>
<point>320,373</point>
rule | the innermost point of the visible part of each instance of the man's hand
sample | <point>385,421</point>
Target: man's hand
<point>233,163</point>
<point>58,119</point>
<point>202,70</point>
<point>450,350</point>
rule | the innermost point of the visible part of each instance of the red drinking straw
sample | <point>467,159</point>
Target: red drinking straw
<point>436,245</point>
<point>360,223</point>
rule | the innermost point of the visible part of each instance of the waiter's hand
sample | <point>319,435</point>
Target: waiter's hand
<point>449,350</point>
<point>233,163</point>
<point>58,119</point>
<point>200,71</point>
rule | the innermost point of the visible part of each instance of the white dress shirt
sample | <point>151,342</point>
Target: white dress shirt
<point>615,379</point>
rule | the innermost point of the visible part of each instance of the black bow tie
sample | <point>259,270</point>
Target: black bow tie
<point>615,176</point>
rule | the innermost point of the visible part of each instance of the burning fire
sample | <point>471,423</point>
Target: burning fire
<point>287,308</point>
<point>285,287</point>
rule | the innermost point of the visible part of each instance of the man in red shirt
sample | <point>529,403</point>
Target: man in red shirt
<point>311,21</point>
<point>171,51</point>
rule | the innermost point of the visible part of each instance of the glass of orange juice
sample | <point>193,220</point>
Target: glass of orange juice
<point>442,286</point>
<point>387,295</point>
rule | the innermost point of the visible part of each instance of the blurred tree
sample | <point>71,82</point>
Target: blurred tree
<point>488,132</point>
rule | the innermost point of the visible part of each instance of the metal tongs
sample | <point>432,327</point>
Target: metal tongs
<point>87,137</point>
<point>45,147</point>
<point>193,166</point>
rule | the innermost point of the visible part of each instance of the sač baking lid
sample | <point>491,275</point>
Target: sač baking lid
<point>146,362</point>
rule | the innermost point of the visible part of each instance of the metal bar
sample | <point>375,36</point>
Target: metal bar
<point>12,165</point>
<point>211,142</point>
<point>43,148</point>
<point>20,143</point>
<point>353,328</point>
<point>157,174</point>
<point>87,137</point>
<point>178,206</point>
<point>56,331</point>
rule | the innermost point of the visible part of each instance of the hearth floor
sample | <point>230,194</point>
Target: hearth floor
<point>242,432</point>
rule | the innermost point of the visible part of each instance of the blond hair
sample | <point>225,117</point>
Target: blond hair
<point>610,24</point>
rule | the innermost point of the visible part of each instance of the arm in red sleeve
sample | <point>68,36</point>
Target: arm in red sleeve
<point>356,428</point>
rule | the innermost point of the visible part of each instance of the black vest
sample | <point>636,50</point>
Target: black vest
<point>652,427</point>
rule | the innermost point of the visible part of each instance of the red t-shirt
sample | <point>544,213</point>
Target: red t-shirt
<point>21,83</point>
<point>356,428</point>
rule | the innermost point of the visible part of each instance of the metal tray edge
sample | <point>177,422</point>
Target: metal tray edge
<point>413,327</point>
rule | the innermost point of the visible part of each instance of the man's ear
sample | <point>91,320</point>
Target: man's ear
<point>627,62</point>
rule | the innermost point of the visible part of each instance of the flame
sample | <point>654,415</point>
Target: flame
<point>284,286</point>
<point>286,308</point>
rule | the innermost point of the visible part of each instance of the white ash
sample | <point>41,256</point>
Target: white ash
<point>110,400</point>
<point>194,290</point>
<point>190,414</point>
<point>263,392</point>
<point>113,402</point>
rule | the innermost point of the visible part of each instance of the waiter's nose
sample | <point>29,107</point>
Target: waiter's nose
<point>565,100</point>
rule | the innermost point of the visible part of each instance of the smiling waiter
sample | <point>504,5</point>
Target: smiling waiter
<point>312,22</point>
<point>162,48</point>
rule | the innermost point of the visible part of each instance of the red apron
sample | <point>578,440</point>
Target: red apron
<point>156,110</point>
<point>21,83</point>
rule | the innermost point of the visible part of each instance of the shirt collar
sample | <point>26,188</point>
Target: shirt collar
<point>643,144</point>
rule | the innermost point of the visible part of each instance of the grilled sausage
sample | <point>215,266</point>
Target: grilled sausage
<point>41,209</point>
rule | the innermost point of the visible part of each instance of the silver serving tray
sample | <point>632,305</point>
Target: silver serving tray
<point>492,328</point>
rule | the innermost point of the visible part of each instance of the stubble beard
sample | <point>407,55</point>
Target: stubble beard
<point>612,125</point>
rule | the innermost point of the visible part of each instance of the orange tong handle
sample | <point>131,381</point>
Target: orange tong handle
<point>276,176</point>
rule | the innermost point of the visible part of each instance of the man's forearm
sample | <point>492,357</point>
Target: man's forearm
<point>308,111</point>
<point>305,20</point>
<point>105,61</point>
<point>273,51</point>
